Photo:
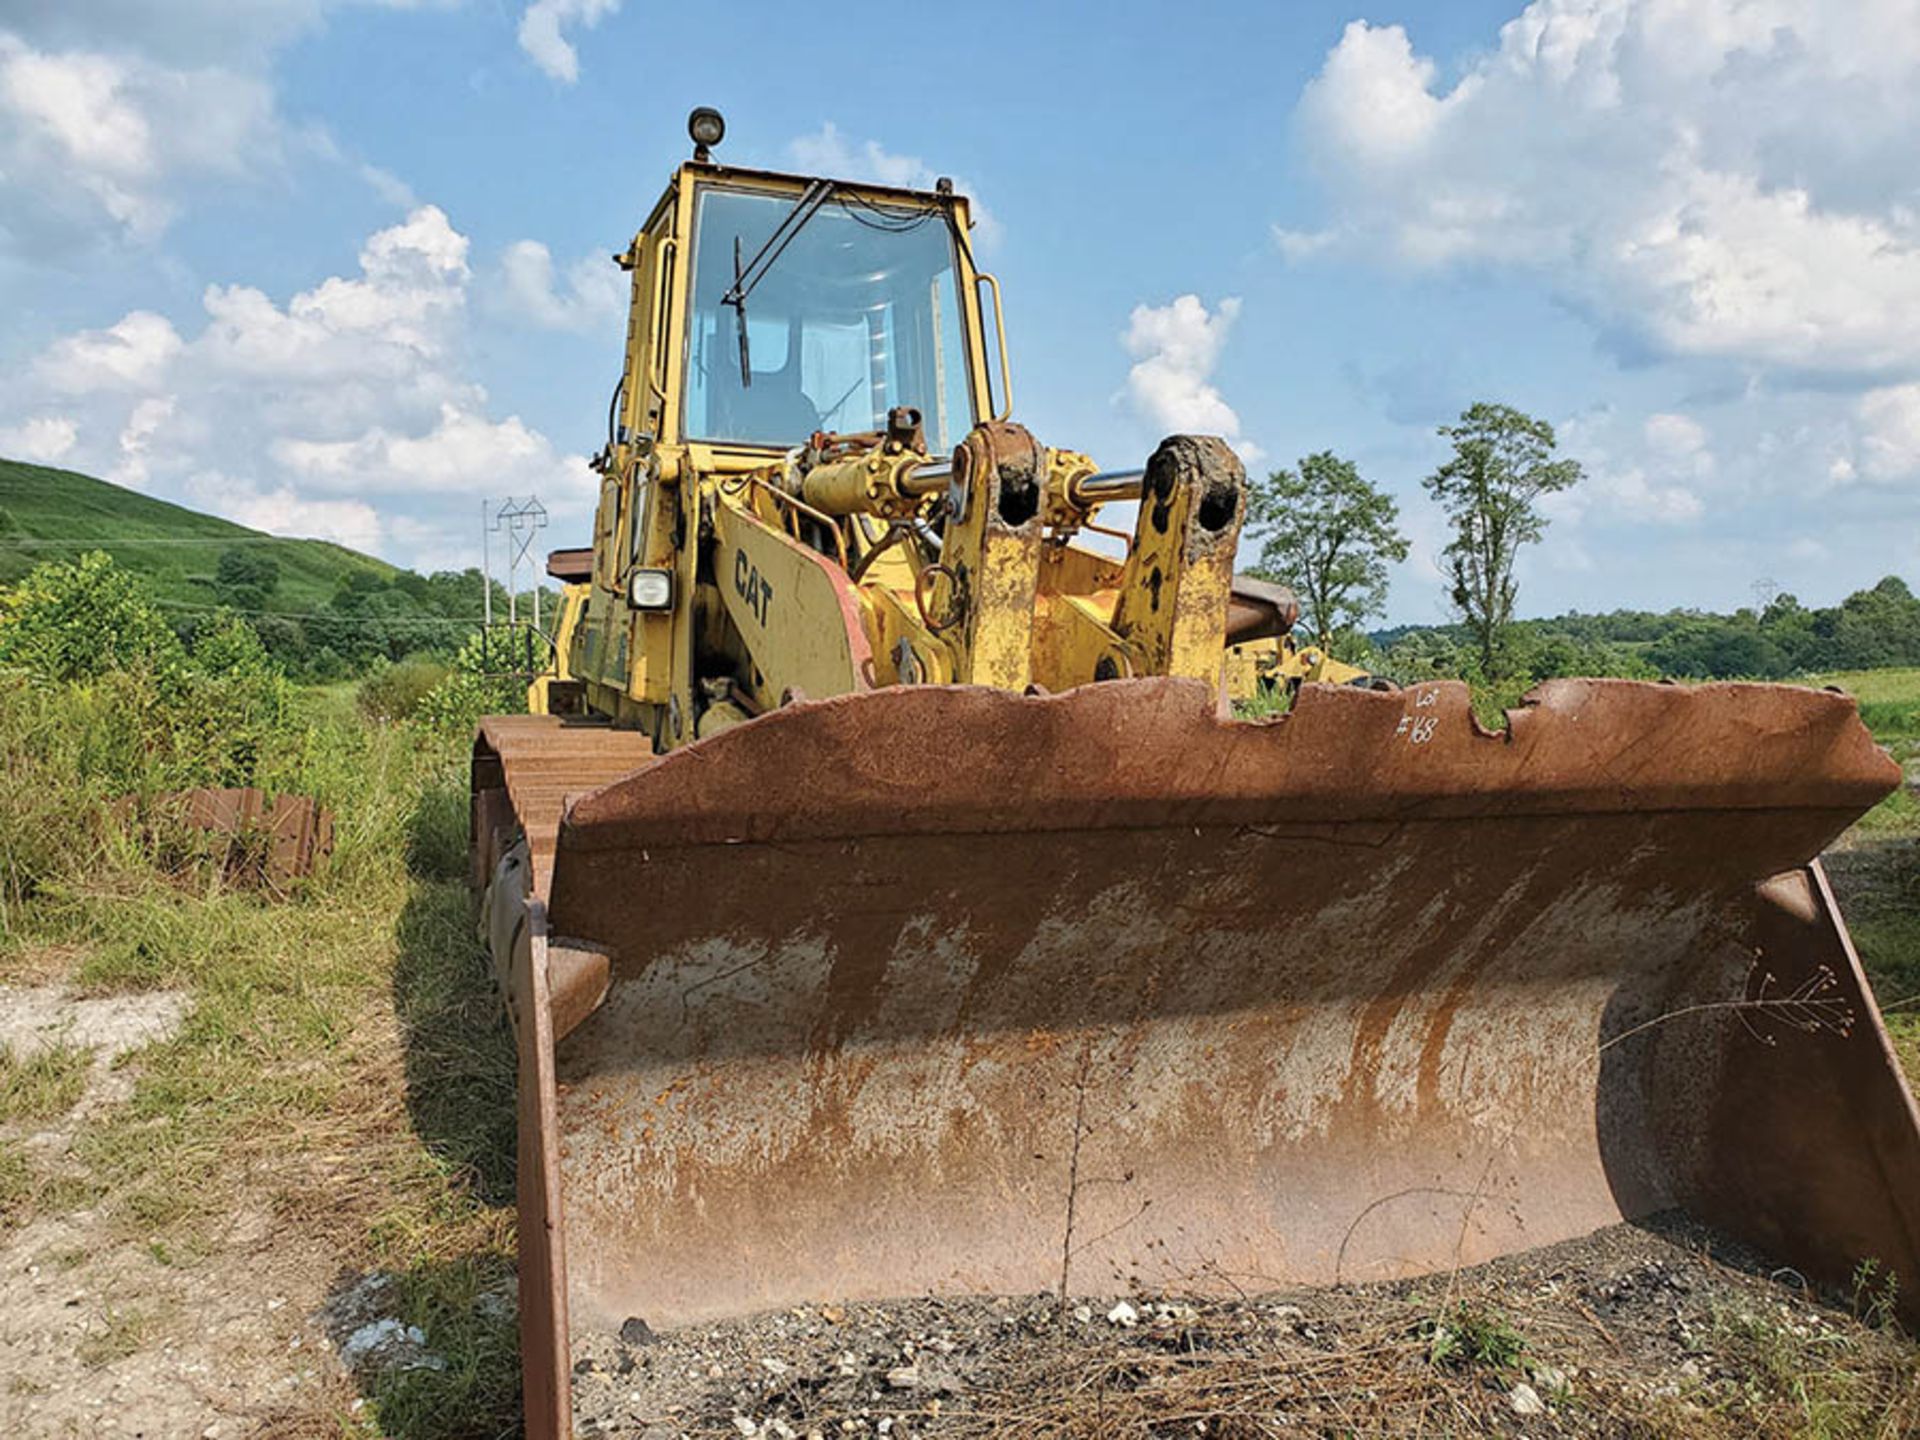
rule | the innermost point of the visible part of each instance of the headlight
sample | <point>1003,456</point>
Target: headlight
<point>650,590</point>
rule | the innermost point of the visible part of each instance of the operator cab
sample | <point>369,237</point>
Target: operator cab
<point>823,308</point>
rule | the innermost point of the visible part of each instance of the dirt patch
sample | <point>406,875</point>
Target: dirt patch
<point>103,1337</point>
<point>1634,1331</point>
<point>102,1334</point>
<point>37,1019</point>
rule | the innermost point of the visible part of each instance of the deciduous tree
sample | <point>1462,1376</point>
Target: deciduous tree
<point>1502,464</point>
<point>1330,534</point>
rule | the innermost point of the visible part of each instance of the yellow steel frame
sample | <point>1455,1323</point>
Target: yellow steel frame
<point>790,599</point>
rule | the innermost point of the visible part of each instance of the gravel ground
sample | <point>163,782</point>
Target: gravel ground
<point>1659,1330</point>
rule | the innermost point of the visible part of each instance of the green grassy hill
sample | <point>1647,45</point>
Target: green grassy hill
<point>48,514</point>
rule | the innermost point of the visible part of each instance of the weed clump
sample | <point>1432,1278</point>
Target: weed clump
<point>1468,1334</point>
<point>1876,1295</point>
<point>41,1086</point>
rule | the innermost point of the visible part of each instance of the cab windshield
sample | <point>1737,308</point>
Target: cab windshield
<point>859,313</point>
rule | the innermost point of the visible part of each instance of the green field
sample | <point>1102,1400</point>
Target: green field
<point>1876,866</point>
<point>1889,703</point>
<point>48,514</point>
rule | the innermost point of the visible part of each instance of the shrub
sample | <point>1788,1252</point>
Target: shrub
<point>246,579</point>
<point>394,692</point>
<point>227,709</point>
<point>470,691</point>
<point>72,620</point>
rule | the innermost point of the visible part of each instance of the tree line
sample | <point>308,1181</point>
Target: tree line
<point>370,620</point>
<point>1874,627</point>
<point>1331,534</point>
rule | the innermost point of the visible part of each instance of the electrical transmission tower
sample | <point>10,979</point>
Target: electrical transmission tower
<point>520,523</point>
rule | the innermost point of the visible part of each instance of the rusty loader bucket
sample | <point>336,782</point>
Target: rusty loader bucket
<point>947,989</point>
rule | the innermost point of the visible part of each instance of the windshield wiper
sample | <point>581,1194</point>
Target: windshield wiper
<point>746,277</point>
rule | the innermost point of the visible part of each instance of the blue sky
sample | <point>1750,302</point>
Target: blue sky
<point>339,268</point>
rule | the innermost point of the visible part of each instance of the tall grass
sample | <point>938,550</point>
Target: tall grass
<point>343,1065</point>
<point>77,759</point>
<point>1896,686</point>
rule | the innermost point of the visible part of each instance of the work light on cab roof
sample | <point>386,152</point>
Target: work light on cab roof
<point>708,128</point>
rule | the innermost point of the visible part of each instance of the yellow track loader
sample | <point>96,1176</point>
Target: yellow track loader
<point>887,900</point>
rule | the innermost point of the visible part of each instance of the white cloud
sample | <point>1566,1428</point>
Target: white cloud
<point>1298,245</point>
<point>1675,434</point>
<point>434,545</point>
<point>43,439</point>
<point>132,354</point>
<point>1176,348</point>
<point>80,102</point>
<point>352,351</point>
<point>463,449</point>
<point>541,37</point>
<point>136,437</point>
<point>593,293</point>
<point>340,412</point>
<point>389,187</point>
<point>1722,178</point>
<point>827,152</point>
<point>1635,475</point>
<point>1635,495</point>
<point>91,140</point>
<point>1890,434</point>
<point>116,114</point>
<point>283,511</point>
<point>1680,441</point>
<point>1372,101</point>
<point>413,278</point>
<point>1724,190</point>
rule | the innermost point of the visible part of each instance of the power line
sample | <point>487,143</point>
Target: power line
<point>470,622</point>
